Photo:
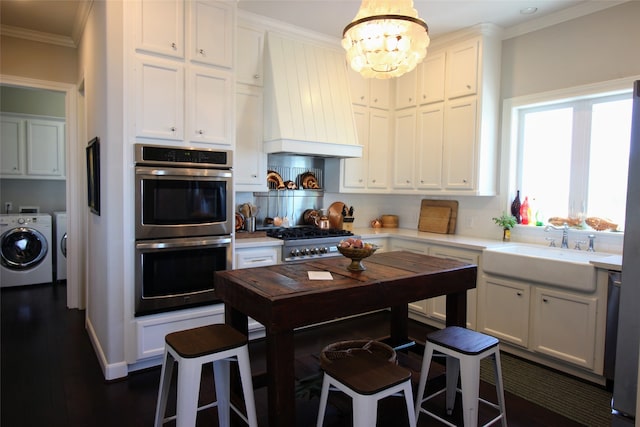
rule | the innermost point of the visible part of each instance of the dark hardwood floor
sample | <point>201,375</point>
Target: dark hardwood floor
<point>51,376</point>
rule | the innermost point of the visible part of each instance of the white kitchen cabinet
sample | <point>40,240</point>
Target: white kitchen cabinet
<point>257,257</point>
<point>503,309</point>
<point>374,93</point>
<point>250,56</point>
<point>432,78</point>
<point>45,148</point>
<point>250,168</point>
<point>33,148</point>
<point>210,106</point>
<point>12,148</point>
<point>462,68</point>
<point>406,90</point>
<point>212,27</point>
<point>436,308</point>
<point>159,99</point>
<point>371,171</point>
<point>405,149</point>
<point>460,144</point>
<point>159,26</point>
<point>429,146</point>
<point>564,325</point>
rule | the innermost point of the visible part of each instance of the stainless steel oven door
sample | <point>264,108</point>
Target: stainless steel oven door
<point>183,202</point>
<point>178,273</point>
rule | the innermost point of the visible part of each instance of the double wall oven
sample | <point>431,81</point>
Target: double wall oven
<point>183,224</point>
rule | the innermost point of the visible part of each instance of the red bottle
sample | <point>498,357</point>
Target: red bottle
<point>524,211</point>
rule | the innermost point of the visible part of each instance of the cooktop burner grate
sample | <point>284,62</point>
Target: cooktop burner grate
<point>298,233</point>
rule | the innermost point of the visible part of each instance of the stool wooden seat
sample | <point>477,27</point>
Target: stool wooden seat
<point>191,349</point>
<point>464,349</point>
<point>366,378</point>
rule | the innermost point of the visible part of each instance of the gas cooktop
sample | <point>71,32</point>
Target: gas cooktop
<point>305,232</point>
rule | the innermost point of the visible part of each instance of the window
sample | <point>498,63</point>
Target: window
<point>571,155</point>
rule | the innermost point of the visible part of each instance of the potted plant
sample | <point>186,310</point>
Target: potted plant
<point>507,222</point>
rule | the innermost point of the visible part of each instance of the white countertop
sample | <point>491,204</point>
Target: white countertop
<point>613,262</point>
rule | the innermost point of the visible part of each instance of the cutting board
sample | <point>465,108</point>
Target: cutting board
<point>438,216</point>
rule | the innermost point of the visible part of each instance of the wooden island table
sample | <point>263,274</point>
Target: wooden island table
<point>283,298</point>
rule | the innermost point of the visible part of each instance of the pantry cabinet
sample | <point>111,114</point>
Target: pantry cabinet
<point>32,147</point>
<point>371,171</point>
<point>250,162</point>
<point>184,88</point>
<point>250,56</point>
<point>456,128</point>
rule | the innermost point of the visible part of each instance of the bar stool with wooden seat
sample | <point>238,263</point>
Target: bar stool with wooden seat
<point>464,349</point>
<point>366,378</point>
<point>191,349</point>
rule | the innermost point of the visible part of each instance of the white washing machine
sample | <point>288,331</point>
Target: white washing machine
<point>25,249</point>
<point>60,244</point>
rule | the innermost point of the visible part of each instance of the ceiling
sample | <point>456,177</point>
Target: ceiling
<point>63,19</point>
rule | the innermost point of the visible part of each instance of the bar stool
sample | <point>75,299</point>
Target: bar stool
<point>191,349</point>
<point>366,378</point>
<point>464,349</point>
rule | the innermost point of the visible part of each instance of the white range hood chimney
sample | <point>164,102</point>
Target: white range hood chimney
<point>307,105</point>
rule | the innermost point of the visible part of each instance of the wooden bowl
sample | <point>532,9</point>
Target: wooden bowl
<point>356,256</point>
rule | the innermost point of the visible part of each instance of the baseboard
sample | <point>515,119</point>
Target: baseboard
<point>111,371</point>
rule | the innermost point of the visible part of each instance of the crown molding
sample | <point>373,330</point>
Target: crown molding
<point>37,36</point>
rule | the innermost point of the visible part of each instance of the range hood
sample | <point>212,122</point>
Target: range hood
<point>307,105</point>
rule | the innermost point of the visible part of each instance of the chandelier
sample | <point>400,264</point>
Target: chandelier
<point>385,39</point>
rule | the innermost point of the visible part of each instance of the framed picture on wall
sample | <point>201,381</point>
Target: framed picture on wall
<point>93,175</point>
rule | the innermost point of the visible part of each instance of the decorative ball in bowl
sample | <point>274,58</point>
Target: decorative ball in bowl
<point>356,250</point>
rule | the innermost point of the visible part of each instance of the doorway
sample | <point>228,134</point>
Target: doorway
<point>74,183</point>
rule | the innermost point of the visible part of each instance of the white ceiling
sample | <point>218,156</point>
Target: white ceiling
<point>64,18</point>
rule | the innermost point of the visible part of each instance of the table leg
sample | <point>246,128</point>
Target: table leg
<point>281,378</point>
<point>399,326</point>
<point>457,309</point>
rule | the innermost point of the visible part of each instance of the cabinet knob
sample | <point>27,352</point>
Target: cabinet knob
<point>464,180</point>
<point>200,132</point>
<point>360,180</point>
<point>172,128</point>
<point>373,181</point>
<point>201,52</point>
<point>253,175</point>
<point>545,300</point>
<point>519,294</point>
<point>174,46</point>
<point>256,76</point>
<point>410,99</point>
<point>408,182</point>
<point>424,96</point>
<point>468,86</point>
<point>375,100</point>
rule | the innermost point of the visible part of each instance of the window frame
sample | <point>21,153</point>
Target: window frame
<point>512,108</point>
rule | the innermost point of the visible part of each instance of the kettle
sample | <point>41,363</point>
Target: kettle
<point>323,221</point>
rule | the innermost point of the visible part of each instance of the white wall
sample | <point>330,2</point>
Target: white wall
<point>101,65</point>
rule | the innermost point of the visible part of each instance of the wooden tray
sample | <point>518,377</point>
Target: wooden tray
<point>433,216</point>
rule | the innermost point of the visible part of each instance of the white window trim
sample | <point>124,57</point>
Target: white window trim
<point>509,151</point>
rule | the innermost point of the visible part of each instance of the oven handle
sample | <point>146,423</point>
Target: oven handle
<point>190,242</point>
<point>186,173</point>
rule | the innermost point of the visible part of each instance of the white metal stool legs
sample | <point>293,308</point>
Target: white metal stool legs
<point>464,349</point>
<point>215,344</point>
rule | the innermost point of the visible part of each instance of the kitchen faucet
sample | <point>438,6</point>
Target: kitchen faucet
<point>565,233</point>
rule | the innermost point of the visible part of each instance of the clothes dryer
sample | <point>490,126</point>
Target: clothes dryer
<point>60,243</point>
<point>25,249</point>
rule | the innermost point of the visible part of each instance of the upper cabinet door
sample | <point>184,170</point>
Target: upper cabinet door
<point>406,89</point>
<point>45,148</point>
<point>210,106</point>
<point>159,99</point>
<point>12,148</point>
<point>432,75</point>
<point>462,69</point>
<point>159,26</point>
<point>250,54</point>
<point>212,28</point>
<point>358,88</point>
<point>379,93</point>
